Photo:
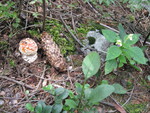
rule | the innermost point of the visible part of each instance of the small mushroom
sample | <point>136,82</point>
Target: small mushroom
<point>28,49</point>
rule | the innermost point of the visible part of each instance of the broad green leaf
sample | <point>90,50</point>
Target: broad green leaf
<point>100,93</point>
<point>59,91</point>
<point>91,64</point>
<point>87,93</point>
<point>29,107</point>
<point>137,54</point>
<point>39,107</point>
<point>122,32</point>
<point>63,95</point>
<point>110,65</point>
<point>47,109</point>
<point>70,103</point>
<point>120,64</point>
<point>78,88</point>
<point>57,108</point>
<point>110,35</point>
<point>119,89</point>
<point>130,39</point>
<point>122,59</point>
<point>113,52</point>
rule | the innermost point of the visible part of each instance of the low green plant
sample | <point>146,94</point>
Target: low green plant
<point>85,99</point>
<point>135,108</point>
<point>8,13</point>
<point>106,2</point>
<point>137,4</point>
<point>124,51</point>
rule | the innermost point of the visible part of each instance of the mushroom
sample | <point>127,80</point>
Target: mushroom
<point>28,49</point>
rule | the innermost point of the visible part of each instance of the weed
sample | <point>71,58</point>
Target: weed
<point>85,98</point>
<point>123,51</point>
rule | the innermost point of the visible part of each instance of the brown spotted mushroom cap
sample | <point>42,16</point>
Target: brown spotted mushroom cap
<point>28,46</point>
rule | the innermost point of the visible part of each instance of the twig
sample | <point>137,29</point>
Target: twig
<point>40,14</point>
<point>44,15</point>
<point>75,38</point>
<point>109,27</point>
<point>93,8</point>
<point>18,82</point>
<point>129,97</point>
<point>146,38</point>
<point>42,76</point>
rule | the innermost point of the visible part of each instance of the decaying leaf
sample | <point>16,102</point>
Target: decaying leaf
<point>54,56</point>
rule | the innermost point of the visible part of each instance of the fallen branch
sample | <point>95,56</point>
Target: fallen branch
<point>75,38</point>
<point>17,82</point>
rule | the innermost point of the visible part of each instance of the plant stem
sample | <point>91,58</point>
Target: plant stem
<point>80,99</point>
<point>44,14</point>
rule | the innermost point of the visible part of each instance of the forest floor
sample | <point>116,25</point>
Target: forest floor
<point>17,76</point>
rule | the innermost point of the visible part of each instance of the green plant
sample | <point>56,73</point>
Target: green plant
<point>137,4</point>
<point>85,98</point>
<point>135,108</point>
<point>123,51</point>
<point>106,2</point>
<point>8,13</point>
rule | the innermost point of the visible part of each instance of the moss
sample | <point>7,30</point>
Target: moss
<point>56,29</point>
<point>135,108</point>
<point>3,45</point>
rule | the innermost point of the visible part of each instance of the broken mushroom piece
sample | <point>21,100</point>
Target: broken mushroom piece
<point>28,48</point>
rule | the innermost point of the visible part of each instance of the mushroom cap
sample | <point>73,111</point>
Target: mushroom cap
<point>28,46</point>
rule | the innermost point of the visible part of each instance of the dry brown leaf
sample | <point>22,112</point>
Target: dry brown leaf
<point>119,108</point>
<point>54,56</point>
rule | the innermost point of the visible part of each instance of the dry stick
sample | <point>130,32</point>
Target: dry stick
<point>40,15</point>
<point>41,79</point>
<point>18,82</point>
<point>44,15</point>
<point>146,38</point>
<point>20,6</point>
<point>75,38</point>
<point>129,97</point>
<point>109,27</point>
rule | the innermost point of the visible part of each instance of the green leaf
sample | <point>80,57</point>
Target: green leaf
<point>122,32</point>
<point>78,88</point>
<point>39,107</point>
<point>47,109</point>
<point>113,52</point>
<point>137,54</point>
<point>48,87</point>
<point>110,65</point>
<point>110,35</point>
<point>70,103</point>
<point>29,107</point>
<point>130,39</point>
<point>119,89</point>
<point>57,108</point>
<point>104,82</point>
<point>87,93</point>
<point>59,91</point>
<point>91,64</point>
<point>63,95</point>
<point>122,59</point>
<point>100,93</point>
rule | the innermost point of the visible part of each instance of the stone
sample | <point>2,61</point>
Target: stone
<point>100,44</point>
